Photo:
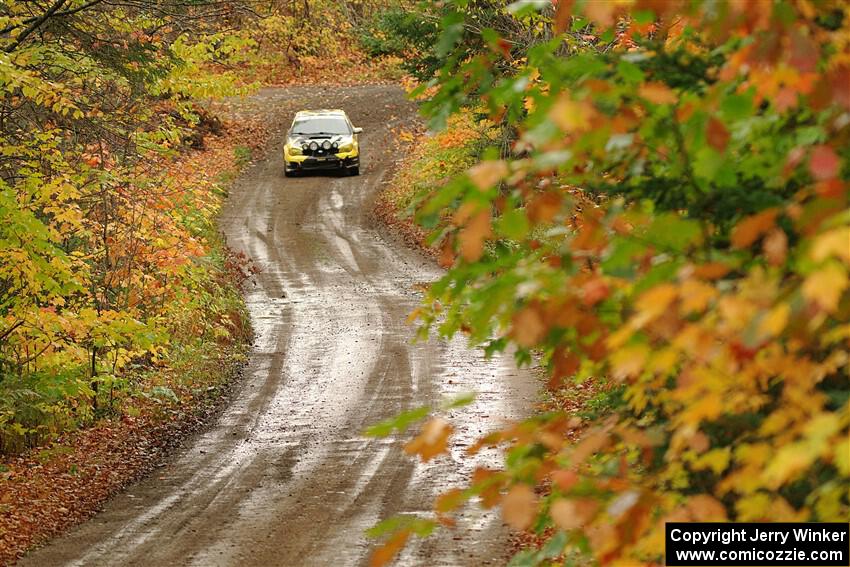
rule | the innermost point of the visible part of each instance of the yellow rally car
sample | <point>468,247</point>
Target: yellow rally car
<point>321,140</point>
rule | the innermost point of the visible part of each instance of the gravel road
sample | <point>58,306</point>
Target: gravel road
<point>284,477</point>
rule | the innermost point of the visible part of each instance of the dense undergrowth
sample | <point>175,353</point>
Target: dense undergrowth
<point>430,159</point>
<point>68,475</point>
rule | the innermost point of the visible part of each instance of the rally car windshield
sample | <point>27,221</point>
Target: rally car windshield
<point>330,126</point>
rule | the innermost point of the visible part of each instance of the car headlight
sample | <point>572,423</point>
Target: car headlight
<point>294,150</point>
<point>347,147</point>
<point>326,144</point>
<point>314,146</point>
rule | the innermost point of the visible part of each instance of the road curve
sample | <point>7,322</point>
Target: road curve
<point>284,478</point>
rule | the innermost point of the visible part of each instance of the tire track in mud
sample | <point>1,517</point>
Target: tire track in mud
<point>283,478</point>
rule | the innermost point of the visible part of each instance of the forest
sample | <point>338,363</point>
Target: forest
<point>645,201</point>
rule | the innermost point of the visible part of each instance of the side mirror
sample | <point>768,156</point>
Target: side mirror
<point>358,130</point>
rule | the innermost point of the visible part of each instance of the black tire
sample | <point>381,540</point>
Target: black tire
<point>288,173</point>
<point>354,170</point>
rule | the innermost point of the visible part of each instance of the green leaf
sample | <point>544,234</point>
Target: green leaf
<point>707,163</point>
<point>398,423</point>
<point>671,232</point>
<point>513,224</point>
<point>458,402</point>
<point>417,525</point>
<point>736,107</point>
<point>630,72</point>
<point>452,31</point>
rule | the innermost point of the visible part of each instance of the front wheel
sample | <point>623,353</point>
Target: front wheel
<point>354,170</point>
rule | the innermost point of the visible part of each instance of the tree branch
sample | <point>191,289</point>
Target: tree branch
<point>34,26</point>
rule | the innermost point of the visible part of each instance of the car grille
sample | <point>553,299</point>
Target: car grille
<point>321,152</point>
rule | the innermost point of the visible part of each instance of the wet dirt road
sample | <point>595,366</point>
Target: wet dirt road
<point>284,478</point>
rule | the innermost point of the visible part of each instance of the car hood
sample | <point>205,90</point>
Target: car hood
<point>339,139</point>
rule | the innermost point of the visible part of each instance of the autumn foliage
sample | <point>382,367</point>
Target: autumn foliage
<point>110,267</point>
<point>670,221</point>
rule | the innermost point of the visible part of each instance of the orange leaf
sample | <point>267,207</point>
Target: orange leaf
<point>776,247</point>
<point>386,552</point>
<point>543,207</point>
<point>696,296</point>
<point>652,303</point>
<point>565,480</point>
<point>473,236</point>
<point>564,365</point>
<point>528,327</point>
<point>432,441</point>
<point>711,271</point>
<point>571,514</point>
<point>519,507</point>
<point>572,116</point>
<point>489,484</point>
<point>751,228</point>
<point>562,15</point>
<point>595,291</point>
<point>601,12</point>
<point>705,508</point>
<point>487,173</point>
<point>657,93</point>
<point>447,253</point>
<point>449,501</point>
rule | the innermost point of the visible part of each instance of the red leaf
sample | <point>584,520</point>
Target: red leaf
<point>839,78</point>
<point>717,134</point>
<point>824,163</point>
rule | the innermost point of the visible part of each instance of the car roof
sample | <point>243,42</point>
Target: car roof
<point>320,113</point>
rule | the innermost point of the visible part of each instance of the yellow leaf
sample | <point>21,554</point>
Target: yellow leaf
<point>695,296</point>
<point>823,426</point>
<point>653,303</point>
<point>753,507</point>
<point>789,461</point>
<point>842,456</point>
<point>663,361</point>
<point>832,243</point>
<point>571,116</point>
<point>825,286</point>
<point>628,362</point>
<point>774,322</point>
<point>707,407</point>
<point>519,507</point>
<point>717,460</point>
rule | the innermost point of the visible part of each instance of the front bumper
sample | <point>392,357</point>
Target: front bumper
<point>332,162</point>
